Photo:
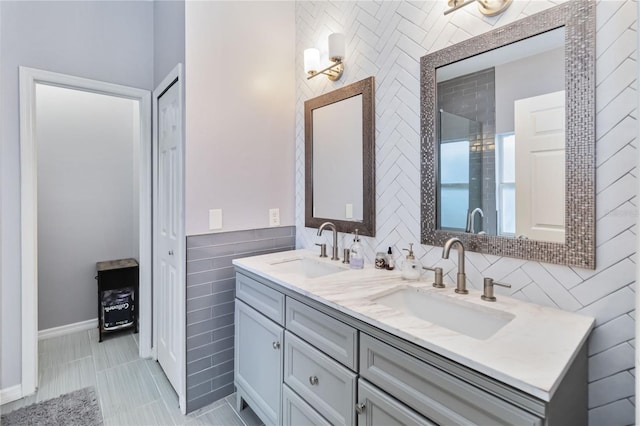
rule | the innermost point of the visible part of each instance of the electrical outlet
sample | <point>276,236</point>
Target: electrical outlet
<point>215,219</point>
<point>274,217</point>
<point>348,214</point>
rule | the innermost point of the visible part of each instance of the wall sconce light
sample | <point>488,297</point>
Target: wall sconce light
<point>336,55</point>
<point>486,7</point>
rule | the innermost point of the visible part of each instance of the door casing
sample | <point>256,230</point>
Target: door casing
<point>29,77</point>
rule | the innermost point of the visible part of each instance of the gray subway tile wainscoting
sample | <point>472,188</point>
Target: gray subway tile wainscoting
<point>210,305</point>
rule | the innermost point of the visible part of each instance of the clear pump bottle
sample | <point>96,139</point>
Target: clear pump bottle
<point>411,267</point>
<point>356,258</point>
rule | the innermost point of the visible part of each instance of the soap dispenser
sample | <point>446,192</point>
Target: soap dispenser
<point>411,267</point>
<point>356,256</point>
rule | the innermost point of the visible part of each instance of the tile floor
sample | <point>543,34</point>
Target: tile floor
<point>131,390</point>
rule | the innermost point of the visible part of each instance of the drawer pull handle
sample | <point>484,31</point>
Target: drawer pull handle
<point>313,380</point>
<point>276,345</point>
<point>360,408</point>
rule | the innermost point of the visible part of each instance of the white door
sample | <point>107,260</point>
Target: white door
<point>540,167</point>
<point>169,288</point>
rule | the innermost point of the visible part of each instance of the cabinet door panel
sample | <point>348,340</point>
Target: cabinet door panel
<point>381,409</point>
<point>258,362</point>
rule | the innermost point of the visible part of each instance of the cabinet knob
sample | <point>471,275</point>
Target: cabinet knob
<point>360,408</point>
<point>276,345</point>
<point>170,252</point>
<point>313,380</point>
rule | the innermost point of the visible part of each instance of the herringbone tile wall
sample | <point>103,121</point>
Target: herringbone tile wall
<point>386,39</point>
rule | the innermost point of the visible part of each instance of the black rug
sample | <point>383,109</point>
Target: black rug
<point>79,408</point>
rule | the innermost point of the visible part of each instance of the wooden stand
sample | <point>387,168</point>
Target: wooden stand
<point>116,275</point>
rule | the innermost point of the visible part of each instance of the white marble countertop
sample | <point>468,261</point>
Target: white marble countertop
<point>531,353</point>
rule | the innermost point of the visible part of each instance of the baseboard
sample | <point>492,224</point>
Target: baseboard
<point>10,394</point>
<point>68,329</point>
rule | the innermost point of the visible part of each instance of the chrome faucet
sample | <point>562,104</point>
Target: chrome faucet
<point>334,249</point>
<point>462,277</point>
<point>471,219</point>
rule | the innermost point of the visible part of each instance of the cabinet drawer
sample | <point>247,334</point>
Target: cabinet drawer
<point>296,412</point>
<point>380,409</point>
<point>319,380</point>
<point>265,300</point>
<point>433,393</point>
<point>331,336</point>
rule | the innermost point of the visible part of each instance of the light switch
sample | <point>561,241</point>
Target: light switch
<point>348,211</point>
<point>215,219</point>
<point>274,217</point>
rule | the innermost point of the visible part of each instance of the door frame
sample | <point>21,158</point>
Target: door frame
<point>28,78</point>
<point>175,76</point>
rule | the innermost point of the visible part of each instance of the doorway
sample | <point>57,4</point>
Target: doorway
<point>31,80</point>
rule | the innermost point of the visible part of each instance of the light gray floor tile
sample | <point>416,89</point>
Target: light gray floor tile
<point>125,387</point>
<point>221,416</point>
<point>63,349</point>
<point>249,417</point>
<point>113,350</point>
<point>214,405</point>
<point>14,405</point>
<point>147,415</point>
<point>231,399</point>
<point>154,367</point>
<point>130,390</point>
<point>168,396</point>
<point>65,378</point>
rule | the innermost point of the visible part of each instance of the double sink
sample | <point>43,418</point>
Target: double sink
<point>433,306</point>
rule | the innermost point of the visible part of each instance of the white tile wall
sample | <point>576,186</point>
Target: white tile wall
<point>386,39</point>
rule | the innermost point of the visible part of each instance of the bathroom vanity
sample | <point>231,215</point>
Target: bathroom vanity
<point>318,343</point>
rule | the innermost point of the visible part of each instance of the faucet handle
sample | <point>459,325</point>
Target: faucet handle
<point>488,289</point>
<point>323,249</point>
<point>438,282</point>
<point>347,255</point>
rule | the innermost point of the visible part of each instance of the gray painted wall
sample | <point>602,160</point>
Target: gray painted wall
<point>53,35</point>
<point>210,305</point>
<point>543,73</point>
<point>168,37</point>
<point>240,113</point>
<point>86,210</point>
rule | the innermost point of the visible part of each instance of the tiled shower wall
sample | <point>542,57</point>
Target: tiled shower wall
<point>473,96</point>
<point>385,39</point>
<point>210,305</point>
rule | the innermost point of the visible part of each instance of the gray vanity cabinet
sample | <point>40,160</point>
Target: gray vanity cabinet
<point>319,380</point>
<point>258,363</point>
<point>432,392</point>
<point>299,361</point>
<point>296,411</point>
<point>376,408</point>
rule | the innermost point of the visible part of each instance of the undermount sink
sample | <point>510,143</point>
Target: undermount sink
<point>469,319</point>
<point>308,267</point>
